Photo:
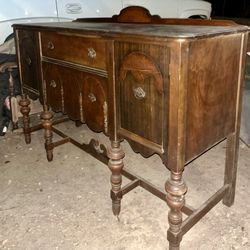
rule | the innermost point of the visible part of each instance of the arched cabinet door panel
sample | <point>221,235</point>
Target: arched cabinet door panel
<point>80,95</point>
<point>63,89</point>
<point>94,101</point>
<point>142,75</point>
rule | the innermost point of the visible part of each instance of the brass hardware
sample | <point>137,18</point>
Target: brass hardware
<point>91,53</point>
<point>92,97</point>
<point>28,60</point>
<point>52,84</point>
<point>139,93</point>
<point>50,45</point>
<point>97,148</point>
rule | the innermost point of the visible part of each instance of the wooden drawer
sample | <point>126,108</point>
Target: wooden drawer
<point>75,49</point>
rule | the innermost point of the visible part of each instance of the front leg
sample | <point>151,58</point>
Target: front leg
<point>176,189</point>
<point>25,110</point>
<point>46,118</point>
<point>116,154</point>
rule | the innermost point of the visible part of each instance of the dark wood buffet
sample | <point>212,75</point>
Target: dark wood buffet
<point>169,87</point>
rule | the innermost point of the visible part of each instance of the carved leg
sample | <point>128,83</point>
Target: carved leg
<point>78,123</point>
<point>46,118</point>
<point>115,164</point>
<point>231,168</point>
<point>25,110</point>
<point>176,189</point>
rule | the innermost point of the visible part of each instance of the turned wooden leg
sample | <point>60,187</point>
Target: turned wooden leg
<point>115,164</point>
<point>78,123</point>
<point>176,189</point>
<point>232,149</point>
<point>25,110</point>
<point>46,118</point>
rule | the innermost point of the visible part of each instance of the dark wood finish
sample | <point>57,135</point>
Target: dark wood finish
<point>170,87</point>
<point>138,14</point>
<point>210,103</point>
<point>29,63</point>
<point>233,139</point>
<point>140,95</point>
<point>115,155</point>
<point>46,118</point>
<point>176,190</point>
<point>85,51</point>
<point>25,110</point>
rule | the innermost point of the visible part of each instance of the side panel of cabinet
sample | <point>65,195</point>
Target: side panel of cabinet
<point>80,95</point>
<point>142,89</point>
<point>212,91</point>
<point>29,62</point>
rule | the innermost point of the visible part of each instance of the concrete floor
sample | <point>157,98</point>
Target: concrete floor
<point>65,204</point>
<point>245,116</point>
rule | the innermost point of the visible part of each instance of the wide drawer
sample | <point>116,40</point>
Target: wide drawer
<point>75,49</point>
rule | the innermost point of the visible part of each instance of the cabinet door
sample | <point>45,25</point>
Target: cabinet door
<point>80,95</point>
<point>142,75</point>
<point>95,102</point>
<point>29,57</point>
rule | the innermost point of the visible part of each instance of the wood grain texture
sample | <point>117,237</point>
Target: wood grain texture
<point>138,14</point>
<point>84,51</point>
<point>142,90</point>
<point>70,91</point>
<point>29,62</point>
<point>212,91</point>
<point>173,89</point>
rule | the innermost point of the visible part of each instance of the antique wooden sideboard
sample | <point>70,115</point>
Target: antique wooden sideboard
<point>169,87</point>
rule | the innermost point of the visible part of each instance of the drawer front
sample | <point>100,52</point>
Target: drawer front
<point>80,50</point>
<point>80,95</point>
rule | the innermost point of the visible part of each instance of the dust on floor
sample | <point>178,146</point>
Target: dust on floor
<point>65,204</point>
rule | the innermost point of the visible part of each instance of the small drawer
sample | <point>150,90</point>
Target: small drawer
<point>85,51</point>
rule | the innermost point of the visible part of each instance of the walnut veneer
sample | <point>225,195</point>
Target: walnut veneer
<point>170,87</point>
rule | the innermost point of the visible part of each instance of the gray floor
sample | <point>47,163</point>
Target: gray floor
<point>245,121</point>
<point>65,204</point>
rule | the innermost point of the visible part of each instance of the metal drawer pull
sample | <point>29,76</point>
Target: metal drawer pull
<point>50,45</point>
<point>28,60</point>
<point>92,97</point>
<point>91,53</point>
<point>52,84</point>
<point>139,93</point>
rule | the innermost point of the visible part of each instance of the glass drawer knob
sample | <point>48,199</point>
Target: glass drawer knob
<point>92,97</point>
<point>50,45</point>
<point>139,93</point>
<point>91,53</point>
<point>52,84</point>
